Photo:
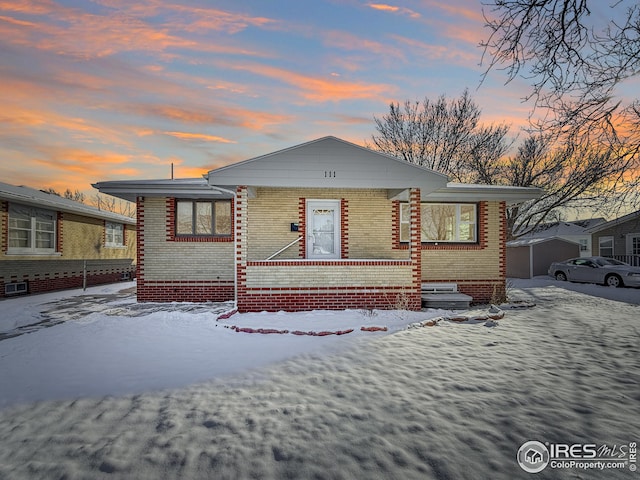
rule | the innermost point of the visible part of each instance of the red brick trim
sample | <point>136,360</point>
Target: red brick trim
<point>185,291</point>
<point>328,263</point>
<point>140,222</point>
<point>170,227</point>
<point>302,227</point>
<point>503,239</point>
<point>395,226</point>
<point>415,248</point>
<point>59,231</point>
<point>344,228</point>
<point>326,298</point>
<point>4,223</point>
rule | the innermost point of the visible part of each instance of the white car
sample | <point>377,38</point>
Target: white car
<point>603,270</point>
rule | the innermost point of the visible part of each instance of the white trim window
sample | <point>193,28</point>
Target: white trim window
<point>113,234</point>
<point>203,218</point>
<point>605,246</point>
<point>443,222</point>
<point>31,230</point>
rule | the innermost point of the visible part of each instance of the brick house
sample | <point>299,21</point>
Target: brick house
<point>51,243</point>
<point>323,225</point>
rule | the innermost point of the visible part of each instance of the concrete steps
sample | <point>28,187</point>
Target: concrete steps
<point>444,295</point>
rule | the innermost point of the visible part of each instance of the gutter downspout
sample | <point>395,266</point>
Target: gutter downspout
<point>235,241</point>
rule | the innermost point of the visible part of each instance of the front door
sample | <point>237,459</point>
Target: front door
<point>323,229</point>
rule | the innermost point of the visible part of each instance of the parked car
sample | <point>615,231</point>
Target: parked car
<point>603,270</point>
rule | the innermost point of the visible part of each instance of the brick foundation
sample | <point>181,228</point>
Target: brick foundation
<point>48,283</point>
<point>184,291</point>
<point>348,298</point>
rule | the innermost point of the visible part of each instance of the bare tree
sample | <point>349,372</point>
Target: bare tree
<point>443,135</point>
<point>76,195</point>
<point>562,49</point>
<point>576,63</point>
<point>570,175</point>
<point>113,204</point>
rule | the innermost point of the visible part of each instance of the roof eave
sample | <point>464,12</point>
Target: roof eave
<point>472,192</point>
<point>76,210</point>
<point>131,190</point>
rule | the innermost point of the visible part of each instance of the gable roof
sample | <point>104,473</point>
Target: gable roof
<point>556,229</point>
<point>38,198</point>
<point>528,242</point>
<point>615,222</point>
<point>328,162</point>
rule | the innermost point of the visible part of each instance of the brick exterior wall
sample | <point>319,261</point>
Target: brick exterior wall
<point>48,275</point>
<point>78,239</point>
<point>479,270</point>
<point>382,279</point>
<point>375,271</point>
<point>178,269</point>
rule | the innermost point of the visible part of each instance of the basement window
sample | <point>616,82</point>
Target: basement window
<point>15,288</point>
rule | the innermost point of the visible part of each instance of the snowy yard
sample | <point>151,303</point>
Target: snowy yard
<point>103,387</point>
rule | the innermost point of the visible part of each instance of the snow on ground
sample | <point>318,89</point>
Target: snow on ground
<point>104,343</point>
<point>174,394</point>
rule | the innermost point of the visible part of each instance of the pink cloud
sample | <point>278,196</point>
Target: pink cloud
<point>199,137</point>
<point>394,9</point>
<point>318,89</point>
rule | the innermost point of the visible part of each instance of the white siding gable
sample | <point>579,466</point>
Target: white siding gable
<point>328,162</point>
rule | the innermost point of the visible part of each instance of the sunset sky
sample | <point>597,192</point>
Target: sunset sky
<point>120,89</point>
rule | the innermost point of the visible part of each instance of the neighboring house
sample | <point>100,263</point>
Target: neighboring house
<point>576,231</point>
<point>322,225</point>
<point>50,243</point>
<point>530,257</point>
<point>619,238</point>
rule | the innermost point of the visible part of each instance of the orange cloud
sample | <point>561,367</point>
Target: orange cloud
<point>198,137</point>
<point>437,52</point>
<point>318,89</point>
<point>348,41</point>
<point>76,33</point>
<point>394,9</point>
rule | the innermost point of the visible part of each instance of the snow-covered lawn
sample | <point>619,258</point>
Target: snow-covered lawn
<point>105,388</point>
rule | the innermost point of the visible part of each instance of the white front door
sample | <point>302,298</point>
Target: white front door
<point>323,229</point>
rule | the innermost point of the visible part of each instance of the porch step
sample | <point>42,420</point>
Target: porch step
<point>450,301</point>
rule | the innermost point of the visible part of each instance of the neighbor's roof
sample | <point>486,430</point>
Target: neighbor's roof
<point>555,229</point>
<point>615,222</point>
<point>525,242</point>
<point>38,198</point>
